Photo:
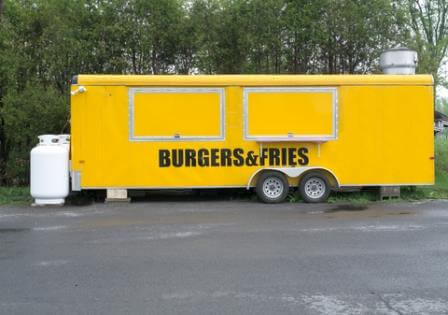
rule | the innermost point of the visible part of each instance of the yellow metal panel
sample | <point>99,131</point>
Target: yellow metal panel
<point>294,113</point>
<point>184,114</point>
<point>395,134</point>
<point>89,132</point>
<point>254,80</point>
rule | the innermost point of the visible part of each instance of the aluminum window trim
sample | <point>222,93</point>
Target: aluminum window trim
<point>304,138</point>
<point>173,90</point>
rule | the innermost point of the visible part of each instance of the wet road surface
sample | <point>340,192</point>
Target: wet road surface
<point>225,257</point>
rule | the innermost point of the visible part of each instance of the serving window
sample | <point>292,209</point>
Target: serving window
<point>176,114</point>
<point>290,114</point>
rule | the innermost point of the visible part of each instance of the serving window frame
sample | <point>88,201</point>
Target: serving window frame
<point>290,137</point>
<point>173,90</point>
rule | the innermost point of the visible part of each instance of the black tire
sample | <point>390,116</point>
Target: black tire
<point>314,188</point>
<point>272,187</point>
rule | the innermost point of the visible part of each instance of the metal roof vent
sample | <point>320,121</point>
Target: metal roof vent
<point>399,60</point>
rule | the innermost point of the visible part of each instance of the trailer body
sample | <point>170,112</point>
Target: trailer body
<point>156,132</point>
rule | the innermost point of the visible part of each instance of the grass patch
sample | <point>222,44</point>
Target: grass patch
<point>424,192</point>
<point>360,197</point>
<point>441,151</point>
<point>14,195</point>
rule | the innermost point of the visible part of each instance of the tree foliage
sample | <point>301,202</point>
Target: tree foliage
<point>44,42</point>
<point>429,24</point>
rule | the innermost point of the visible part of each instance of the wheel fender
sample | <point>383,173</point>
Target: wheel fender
<point>292,172</point>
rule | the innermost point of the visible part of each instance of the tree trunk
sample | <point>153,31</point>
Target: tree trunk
<point>1,9</point>
<point>3,153</point>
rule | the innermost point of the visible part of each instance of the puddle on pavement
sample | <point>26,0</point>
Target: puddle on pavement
<point>362,210</point>
<point>141,219</point>
<point>400,213</point>
<point>13,230</point>
<point>347,207</point>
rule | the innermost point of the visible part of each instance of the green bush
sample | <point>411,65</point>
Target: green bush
<point>441,163</point>
<point>35,110</point>
<point>14,195</point>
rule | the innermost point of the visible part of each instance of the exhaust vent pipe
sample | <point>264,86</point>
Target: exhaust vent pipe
<point>399,60</point>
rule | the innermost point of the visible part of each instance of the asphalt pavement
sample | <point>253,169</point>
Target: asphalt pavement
<point>213,256</point>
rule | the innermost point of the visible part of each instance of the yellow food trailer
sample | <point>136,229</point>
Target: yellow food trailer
<point>271,132</point>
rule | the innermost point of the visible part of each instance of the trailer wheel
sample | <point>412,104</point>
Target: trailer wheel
<point>272,187</point>
<point>314,188</point>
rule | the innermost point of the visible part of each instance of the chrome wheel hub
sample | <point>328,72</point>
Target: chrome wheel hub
<point>315,187</point>
<point>273,187</point>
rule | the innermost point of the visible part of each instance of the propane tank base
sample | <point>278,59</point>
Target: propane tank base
<point>48,202</point>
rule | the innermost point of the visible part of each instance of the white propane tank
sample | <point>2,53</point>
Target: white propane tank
<point>64,140</point>
<point>50,169</point>
<point>399,60</point>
